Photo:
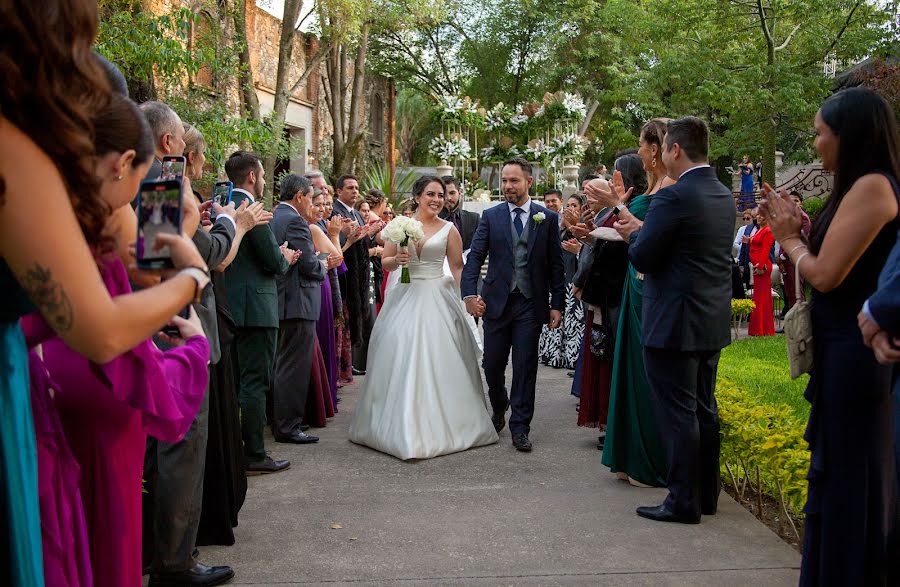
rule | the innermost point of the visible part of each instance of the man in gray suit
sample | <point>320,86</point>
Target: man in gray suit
<point>299,302</point>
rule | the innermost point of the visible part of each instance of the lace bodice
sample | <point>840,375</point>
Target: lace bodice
<point>431,264</point>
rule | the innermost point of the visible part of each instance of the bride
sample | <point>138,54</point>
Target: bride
<point>423,395</point>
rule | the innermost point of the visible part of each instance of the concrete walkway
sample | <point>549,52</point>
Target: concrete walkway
<point>489,516</point>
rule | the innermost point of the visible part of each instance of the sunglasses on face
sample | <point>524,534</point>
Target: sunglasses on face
<point>747,218</point>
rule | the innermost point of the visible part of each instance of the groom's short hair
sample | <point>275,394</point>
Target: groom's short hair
<point>522,163</point>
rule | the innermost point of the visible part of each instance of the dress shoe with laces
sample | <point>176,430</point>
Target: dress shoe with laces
<point>660,513</point>
<point>521,442</point>
<point>499,420</point>
<point>297,437</point>
<point>199,574</point>
<point>266,466</point>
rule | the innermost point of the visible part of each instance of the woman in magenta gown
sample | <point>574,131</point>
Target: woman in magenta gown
<point>92,420</point>
<point>762,319</point>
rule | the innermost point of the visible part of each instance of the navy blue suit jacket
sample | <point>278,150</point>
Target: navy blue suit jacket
<point>884,304</point>
<point>493,239</point>
<point>684,251</point>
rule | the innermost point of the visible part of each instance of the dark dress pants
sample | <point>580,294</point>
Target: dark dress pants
<point>293,366</point>
<point>174,471</point>
<point>683,386</point>
<point>255,348</point>
<point>517,329</point>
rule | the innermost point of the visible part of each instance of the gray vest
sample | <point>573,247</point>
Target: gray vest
<point>521,279</point>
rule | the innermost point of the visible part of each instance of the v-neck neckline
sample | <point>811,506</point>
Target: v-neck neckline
<point>428,238</point>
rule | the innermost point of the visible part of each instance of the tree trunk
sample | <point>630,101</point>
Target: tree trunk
<point>282,90</point>
<point>356,127</point>
<point>249,101</point>
<point>769,134</point>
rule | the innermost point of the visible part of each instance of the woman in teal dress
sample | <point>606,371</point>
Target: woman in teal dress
<point>633,449</point>
<point>49,230</point>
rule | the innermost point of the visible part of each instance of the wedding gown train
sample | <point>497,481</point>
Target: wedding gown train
<point>423,396</point>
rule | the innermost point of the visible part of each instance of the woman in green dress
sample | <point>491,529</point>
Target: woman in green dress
<point>633,450</point>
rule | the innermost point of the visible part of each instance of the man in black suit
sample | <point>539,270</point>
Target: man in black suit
<point>465,222</point>
<point>357,282</point>
<point>299,302</point>
<point>683,249</point>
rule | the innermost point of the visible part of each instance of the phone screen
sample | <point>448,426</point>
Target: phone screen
<point>172,168</point>
<point>222,193</point>
<point>159,211</point>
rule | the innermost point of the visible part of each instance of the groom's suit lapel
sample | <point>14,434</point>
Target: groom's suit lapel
<point>507,224</point>
<point>532,228</point>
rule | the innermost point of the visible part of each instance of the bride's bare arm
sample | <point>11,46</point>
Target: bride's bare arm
<point>389,256</point>
<point>42,242</point>
<point>454,254</point>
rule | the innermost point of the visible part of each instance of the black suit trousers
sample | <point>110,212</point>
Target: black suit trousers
<point>255,348</point>
<point>518,329</point>
<point>683,386</point>
<point>293,366</point>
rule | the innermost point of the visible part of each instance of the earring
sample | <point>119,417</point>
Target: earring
<point>119,178</point>
<point>653,163</point>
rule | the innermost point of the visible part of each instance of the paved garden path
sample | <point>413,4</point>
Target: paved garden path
<point>489,516</point>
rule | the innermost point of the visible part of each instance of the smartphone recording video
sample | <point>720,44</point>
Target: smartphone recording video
<point>222,193</point>
<point>159,212</point>
<point>172,168</point>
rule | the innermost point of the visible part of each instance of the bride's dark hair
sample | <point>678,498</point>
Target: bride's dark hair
<point>420,185</point>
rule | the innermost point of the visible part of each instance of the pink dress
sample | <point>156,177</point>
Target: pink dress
<point>103,414</point>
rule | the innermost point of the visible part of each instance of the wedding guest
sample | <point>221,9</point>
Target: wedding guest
<point>327,241</point>
<point>741,245</point>
<point>359,274</point>
<point>376,201</point>
<point>762,319</point>
<point>388,214</point>
<point>852,504</point>
<point>253,300</point>
<point>48,171</point>
<point>343,342</point>
<point>633,449</point>
<point>299,303</point>
<point>553,201</point>
<point>174,471</point>
<point>745,171</point>
<point>602,284</point>
<point>106,418</point>
<point>466,222</point>
<point>784,262</point>
<point>408,208</point>
<point>682,247</point>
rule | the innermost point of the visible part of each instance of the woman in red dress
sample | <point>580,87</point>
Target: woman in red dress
<point>762,319</point>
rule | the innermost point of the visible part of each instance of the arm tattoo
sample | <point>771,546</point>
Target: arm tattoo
<point>48,295</point>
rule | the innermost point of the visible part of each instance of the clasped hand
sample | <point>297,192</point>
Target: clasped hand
<point>475,306</point>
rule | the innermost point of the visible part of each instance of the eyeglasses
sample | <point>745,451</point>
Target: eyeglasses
<point>748,218</point>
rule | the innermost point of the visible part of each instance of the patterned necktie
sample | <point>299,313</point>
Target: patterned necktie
<point>518,221</point>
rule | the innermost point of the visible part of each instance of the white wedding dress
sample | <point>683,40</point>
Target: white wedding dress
<point>422,396</point>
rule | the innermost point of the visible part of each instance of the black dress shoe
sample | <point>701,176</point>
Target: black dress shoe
<point>570,374</point>
<point>521,442</point>
<point>297,437</point>
<point>660,513</point>
<point>266,466</point>
<point>358,372</point>
<point>199,574</point>
<point>499,420</point>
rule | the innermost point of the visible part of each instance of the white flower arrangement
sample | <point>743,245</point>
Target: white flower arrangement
<point>518,120</point>
<point>450,148</point>
<point>399,231</point>
<point>481,195</point>
<point>568,146</point>
<point>450,104</point>
<point>574,106</point>
<point>536,150</point>
<point>539,217</point>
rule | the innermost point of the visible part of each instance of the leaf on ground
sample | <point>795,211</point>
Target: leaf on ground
<point>336,527</point>
<point>352,538</point>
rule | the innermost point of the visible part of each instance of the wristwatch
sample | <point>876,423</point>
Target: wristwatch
<point>201,276</point>
<point>617,208</point>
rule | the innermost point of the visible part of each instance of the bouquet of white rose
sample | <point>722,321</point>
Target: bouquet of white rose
<point>399,231</point>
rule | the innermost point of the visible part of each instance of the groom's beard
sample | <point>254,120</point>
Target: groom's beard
<point>515,197</point>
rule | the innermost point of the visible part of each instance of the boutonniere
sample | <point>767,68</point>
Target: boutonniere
<point>539,217</point>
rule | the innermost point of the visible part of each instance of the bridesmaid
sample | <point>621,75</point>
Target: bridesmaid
<point>762,319</point>
<point>633,449</point>
<point>343,343</point>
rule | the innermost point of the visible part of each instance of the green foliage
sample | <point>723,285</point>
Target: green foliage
<point>763,441</point>
<point>379,177</point>
<point>812,206</point>
<point>759,365</point>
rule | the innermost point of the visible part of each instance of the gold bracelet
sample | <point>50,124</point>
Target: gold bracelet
<point>791,252</point>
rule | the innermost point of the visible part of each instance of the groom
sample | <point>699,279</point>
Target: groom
<point>521,238</point>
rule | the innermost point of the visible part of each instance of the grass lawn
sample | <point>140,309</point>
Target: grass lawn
<point>759,365</point>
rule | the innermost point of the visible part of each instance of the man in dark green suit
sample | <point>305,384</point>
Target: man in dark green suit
<point>253,300</point>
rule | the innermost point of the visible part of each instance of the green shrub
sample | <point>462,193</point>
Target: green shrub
<point>812,206</point>
<point>763,448</point>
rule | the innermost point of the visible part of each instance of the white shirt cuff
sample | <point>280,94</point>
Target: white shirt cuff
<point>228,218</point>
<point>868,313</point>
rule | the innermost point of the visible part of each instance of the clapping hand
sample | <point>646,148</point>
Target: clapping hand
<point>333,260</point>
<point>615,195</point>
<point>580,230</point>
<point>248,216</point>
<point>571,246</point>
<point>626,225</point>
<point>290,255</point>
<point>570,217</point>
<point>782,213</point>
<point>334,226</point>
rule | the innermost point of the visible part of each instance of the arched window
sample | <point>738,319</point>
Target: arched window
<point>376,116</point>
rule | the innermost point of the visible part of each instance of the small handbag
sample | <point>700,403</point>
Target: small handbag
<point>798,330</point>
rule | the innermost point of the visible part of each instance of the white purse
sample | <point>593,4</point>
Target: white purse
<point>798,330</point>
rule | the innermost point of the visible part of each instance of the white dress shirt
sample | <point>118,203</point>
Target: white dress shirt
<point>526,207</point>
